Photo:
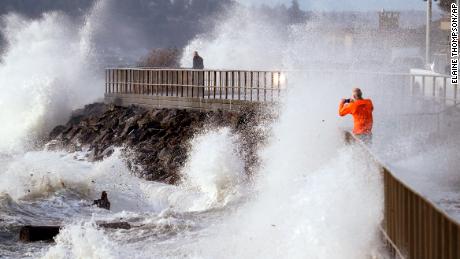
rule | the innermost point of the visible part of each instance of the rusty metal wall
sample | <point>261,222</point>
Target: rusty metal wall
<point>413,226</point>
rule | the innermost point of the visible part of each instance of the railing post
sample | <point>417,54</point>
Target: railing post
<point>208,84</point>
<point>423,86</point>
<point>125,76</point>
<point>177,83</point>
<point>412,84</point>
<point>258,86</point>
<point>133,82</point>
<point>119,81</point>
<point>215,83</point>
<point>162,82</point>
<point>444,90</point>
<point>265,86</point>
<point>279,85</point>
<point>219,84</point>
<point>128,81</point>
<point>146,82</point>
<point>141,82</point>
<point>251,84</point>
<point>193,82</point>
<point>113,82</point>
<point>188,77</point>
<point>172,80</point>
<point>106,81</point>
<point>272,86</point>
<point>226,85</point>
<point>123,81</point>
<point>184,81</point>
<point>152,82</point>
<point>245,85</point>
<point>168,82</point>
<point>233,84</point>
<point>455,86</point>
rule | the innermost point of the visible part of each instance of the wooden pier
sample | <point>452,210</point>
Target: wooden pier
<point>192,89</point>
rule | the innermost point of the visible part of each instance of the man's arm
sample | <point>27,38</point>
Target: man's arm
<point>344,109</point>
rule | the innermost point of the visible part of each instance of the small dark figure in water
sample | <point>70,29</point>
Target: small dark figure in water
<point>197,61</point>
<point>103,202</point>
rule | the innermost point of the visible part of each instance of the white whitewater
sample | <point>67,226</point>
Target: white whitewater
<point>47,71</point>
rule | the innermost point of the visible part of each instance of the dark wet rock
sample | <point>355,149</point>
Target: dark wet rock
<point>155,142</point>
<point>57,131</point>
<point>107,152</point>
<point>114,225</point>
<point>48,233</point>
<point>38,233</point>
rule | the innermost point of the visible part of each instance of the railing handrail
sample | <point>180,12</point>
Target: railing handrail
<point>193,70</point>
<point>286,71</point>
<point>365,72</point>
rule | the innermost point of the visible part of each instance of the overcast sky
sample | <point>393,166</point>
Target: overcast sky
<point>358,5</point>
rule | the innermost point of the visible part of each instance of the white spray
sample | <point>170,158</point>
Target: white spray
<point>214,166</point>
<point>47,71</point>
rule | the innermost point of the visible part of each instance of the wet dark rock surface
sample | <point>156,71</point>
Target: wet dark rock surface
<point>155,142</point>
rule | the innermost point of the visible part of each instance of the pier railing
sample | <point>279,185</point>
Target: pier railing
<point>435,86</point>
<point>237,86</point>
<point>224,85</point>
<point>413,226</point>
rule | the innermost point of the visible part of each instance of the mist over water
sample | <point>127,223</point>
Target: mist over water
<point>245,41</point>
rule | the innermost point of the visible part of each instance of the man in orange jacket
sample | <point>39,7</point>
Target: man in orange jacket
<point>361,110</point>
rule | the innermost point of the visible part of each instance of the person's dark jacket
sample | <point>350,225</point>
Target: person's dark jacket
<point>198,62</point>
<point>103,202</point>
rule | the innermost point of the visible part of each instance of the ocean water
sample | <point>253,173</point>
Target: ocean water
<point>215,212</point>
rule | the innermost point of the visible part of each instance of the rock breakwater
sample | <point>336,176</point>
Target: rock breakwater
<point>154,141</point>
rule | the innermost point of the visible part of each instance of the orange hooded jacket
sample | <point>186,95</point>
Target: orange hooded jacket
<point>361,110</point>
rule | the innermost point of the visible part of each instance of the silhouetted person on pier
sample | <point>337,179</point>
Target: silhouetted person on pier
<point>103,202</point>
<point>198,76</point>
<point>197,61</point>
<point>361,110</point>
